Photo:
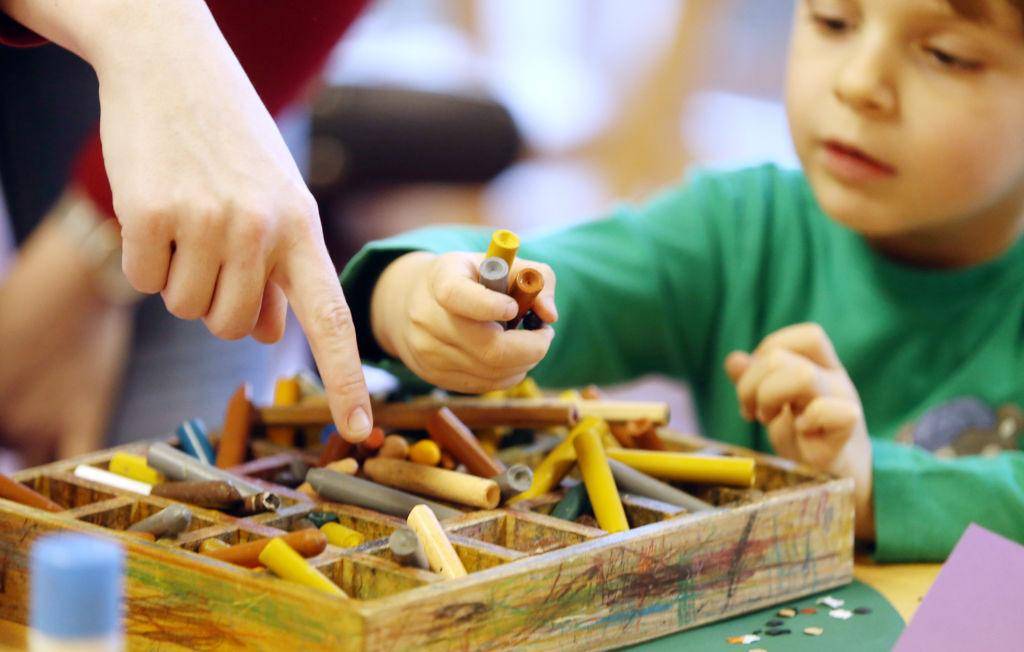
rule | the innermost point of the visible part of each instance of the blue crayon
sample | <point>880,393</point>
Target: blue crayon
<point>326,433</point>
<point>193,440</point>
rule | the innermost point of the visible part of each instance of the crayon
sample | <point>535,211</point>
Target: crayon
<point>341,488</point>
<point>494,274</point>
<point>211,494</point>
<point>193,440</point>
<point>524,289</point>
<point>234,435</point>
<point>406,549</point>
<point>425,451</point>
<point>134,467</point>
<point>178,466</point>
<point>341,536</point>
<point>112,479</point>
<point>15,491</point>
<point>440,553</point>
<point>515,480</point>
<point>574,503</point>
<point>686,467</point>
<point>631,481</point>
<point>168,522</point>
<point>601,489</point>
<point>504,244</point>
<point>453,436</point>
<point>286,392</point>
<point>431,481</point>
<point>287,564</point>
<point>308,543</point>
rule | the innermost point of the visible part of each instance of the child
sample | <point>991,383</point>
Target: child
<point>844,301</point>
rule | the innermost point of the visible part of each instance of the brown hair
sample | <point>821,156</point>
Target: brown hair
<point>978,9</point>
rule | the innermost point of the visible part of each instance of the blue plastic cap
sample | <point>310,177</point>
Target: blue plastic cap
<point>76,586</point>
<point>326,433</point>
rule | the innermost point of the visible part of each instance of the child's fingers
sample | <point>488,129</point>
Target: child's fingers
<point>808,340</point>
<point>441,358</point>
<point>824,428</point>
<point>796,384</point>
<point>782,435</point>
<point>828,415</point>
<point>736,363</point>
<point>488,343</point>
<point>455,287</point>
<point>761,366</point>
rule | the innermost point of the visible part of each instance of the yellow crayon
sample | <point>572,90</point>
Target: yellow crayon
<point>527,388</point>
<point>504,245</point>
<point>134,467</point>
<point>425,451</point>
<point>280,558</point>
<point>286,392</point>
<point>212,544</point>
<point>341,536</point>
<point>597,476</point>
<point>686,467</point>
<point>559,461</point>
<point>440,553</point>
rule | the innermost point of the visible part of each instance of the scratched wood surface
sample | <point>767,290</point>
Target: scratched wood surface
<point>534,581</point>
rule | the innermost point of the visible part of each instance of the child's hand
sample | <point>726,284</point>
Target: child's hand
<point>795,385</point>
<point>432,313</point>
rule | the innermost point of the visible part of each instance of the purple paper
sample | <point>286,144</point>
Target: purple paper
<point>976,602</point>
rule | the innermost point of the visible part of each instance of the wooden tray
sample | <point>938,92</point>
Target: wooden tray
<point>534,581</point>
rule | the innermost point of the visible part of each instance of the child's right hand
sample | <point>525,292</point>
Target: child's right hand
<point>432,313</point>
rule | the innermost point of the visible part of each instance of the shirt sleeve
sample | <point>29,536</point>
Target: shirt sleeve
<point>923,503</point>
<point>636,291</point>
<point>14,33</point>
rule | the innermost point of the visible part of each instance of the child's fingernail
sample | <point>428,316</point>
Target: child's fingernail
<point>358,425</point>
<point>511,310</point>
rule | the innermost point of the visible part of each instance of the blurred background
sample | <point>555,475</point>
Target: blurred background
<point>524,115</point>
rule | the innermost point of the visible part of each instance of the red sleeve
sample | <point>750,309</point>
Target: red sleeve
<point>14,33</point>
<point>281,45</point>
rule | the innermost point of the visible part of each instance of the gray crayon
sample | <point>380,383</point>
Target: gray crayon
<point>177,465</point>
<point>494,274</point>
<point>344,488</point>
<point>515,480</point>
<point>631,481</point>
<point>168,522</point>
<point>407,550</point>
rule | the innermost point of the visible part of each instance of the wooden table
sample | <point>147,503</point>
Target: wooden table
<point>902,584</point>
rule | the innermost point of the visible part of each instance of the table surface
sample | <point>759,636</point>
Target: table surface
<point>904,585</point>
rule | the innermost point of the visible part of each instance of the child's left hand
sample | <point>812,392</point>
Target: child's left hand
<point>794,384</point>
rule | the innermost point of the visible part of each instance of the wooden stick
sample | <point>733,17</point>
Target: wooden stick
<point>431,481</point>
<point>453,436</point>
<point>308,543</point>
<point>440,553</point>
<point>234,435</point>
<point>19,493</point>
<point>475,413</point>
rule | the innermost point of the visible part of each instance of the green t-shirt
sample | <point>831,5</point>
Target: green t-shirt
<point>722,261</point>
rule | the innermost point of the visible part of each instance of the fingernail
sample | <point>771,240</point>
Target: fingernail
<point>511,311</point>
<point>358,425</point>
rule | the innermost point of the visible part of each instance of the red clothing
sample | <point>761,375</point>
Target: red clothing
<point>281,45</point>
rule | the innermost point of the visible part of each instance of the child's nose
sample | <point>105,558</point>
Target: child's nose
<point>865,81</point>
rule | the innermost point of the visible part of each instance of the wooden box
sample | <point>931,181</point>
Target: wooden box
<point>534,581</point>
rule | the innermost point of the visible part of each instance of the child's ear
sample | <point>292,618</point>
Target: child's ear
<point>736,364</point>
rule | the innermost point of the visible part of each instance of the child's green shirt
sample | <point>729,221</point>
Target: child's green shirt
<point>721,262</point>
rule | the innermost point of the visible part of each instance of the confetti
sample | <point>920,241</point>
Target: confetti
<point>832,603</point>
<point>841,614</point>
<point>777,632</point>
<point>862,610</point>
<point>757,649</point>
<point>746,639</point>
<point>814,631</point>
<point>774,623</point>
<point>786,613</point>
<point>809,611</point>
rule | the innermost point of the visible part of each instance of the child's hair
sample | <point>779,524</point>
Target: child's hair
<point>976,9</point>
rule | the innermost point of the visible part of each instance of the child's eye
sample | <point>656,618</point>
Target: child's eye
<point>831,24</point>
<point>948,60</point>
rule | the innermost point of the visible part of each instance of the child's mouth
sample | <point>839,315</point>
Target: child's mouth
<point>851,164</point>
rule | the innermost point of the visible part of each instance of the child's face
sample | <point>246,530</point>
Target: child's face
<point>908,117</point>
